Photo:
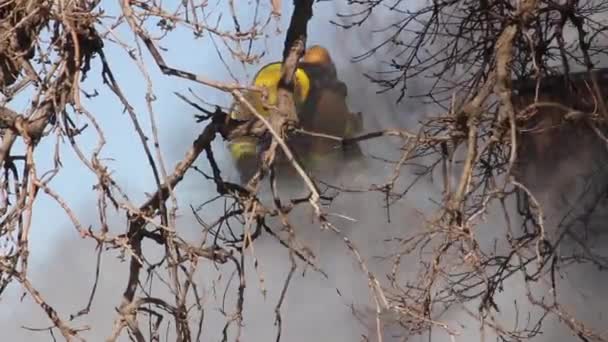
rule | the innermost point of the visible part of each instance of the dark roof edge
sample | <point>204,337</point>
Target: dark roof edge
<point>559,80</point>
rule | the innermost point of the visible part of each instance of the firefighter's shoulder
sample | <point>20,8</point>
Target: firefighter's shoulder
<point>269,76</point>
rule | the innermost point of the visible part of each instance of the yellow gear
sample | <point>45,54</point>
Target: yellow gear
<point>269,77</point>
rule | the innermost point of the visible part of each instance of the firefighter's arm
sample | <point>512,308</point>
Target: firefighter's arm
<point>354,122</point>
<point>354,125</point>
<point>242,147</point>
<point>244,154</point>
<point>341,88</point>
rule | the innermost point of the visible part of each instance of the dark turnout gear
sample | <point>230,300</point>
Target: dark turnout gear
<point>321,107</point>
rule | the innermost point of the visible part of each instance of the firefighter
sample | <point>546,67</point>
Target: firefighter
<point>320,103</point>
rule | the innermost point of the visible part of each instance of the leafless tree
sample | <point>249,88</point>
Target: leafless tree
<point>492,67</point>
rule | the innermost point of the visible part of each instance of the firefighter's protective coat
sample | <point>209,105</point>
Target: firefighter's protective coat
<point>321,106</point>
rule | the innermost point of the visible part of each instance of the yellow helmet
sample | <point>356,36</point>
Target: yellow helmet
<point>317,54</point>
<point>269,77</point>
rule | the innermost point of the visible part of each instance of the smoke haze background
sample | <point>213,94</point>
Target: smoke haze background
<point>63,266</point>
